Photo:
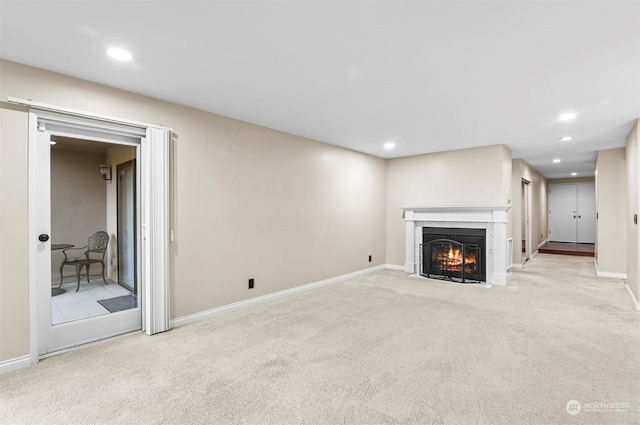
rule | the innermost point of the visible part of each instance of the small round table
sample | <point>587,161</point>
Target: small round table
<point>55,247</point>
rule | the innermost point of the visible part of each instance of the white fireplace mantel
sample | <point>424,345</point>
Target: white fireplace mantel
<point>493,218</point>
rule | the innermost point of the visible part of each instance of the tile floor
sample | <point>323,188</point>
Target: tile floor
<point>83,304</point>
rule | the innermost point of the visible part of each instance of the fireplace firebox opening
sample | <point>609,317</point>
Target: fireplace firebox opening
<point>453,254</point>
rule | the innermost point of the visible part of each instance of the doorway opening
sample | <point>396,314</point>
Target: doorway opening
<point>126,226</point>
<point>571,219</point>
<point>526,228</point>
<point>87,215</point>
<point>148,144</point>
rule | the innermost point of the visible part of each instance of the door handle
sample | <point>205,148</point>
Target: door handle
<point>579,216</point>
<point>574,216</point>
<point>43,237</point>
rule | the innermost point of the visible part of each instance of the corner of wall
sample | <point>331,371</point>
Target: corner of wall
<point>633,209</point>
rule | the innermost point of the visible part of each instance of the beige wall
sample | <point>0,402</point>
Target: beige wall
<point>507,173</point>
<point>78,201</point>
<point>611,210</point>
<point>538,221</point>
<point>633,207</point>
<point>249,202</point>
<point>477,176</point>
<point>14,249</point>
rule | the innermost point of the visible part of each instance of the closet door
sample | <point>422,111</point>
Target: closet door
<point>586,213</point>
<point>572,216</point>
<point>563,212</point>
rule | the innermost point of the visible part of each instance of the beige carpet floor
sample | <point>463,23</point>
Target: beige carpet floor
<point>380,349</point>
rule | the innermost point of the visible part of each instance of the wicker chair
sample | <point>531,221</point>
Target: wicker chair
<point>95,251</point>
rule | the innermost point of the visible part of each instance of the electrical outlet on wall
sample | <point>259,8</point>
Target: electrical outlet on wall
<point>251,283</point>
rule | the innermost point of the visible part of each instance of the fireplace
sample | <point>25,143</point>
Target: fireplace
<point>491,219</point>
<point>456,254</point>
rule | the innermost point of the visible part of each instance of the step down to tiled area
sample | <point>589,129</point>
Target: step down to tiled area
<point>568,248</point>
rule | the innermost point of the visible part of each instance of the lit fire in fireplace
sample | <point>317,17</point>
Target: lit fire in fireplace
<point>452,260</point>
<point>455,256</point>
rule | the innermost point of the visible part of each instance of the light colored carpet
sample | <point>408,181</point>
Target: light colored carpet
<point>380,349</point>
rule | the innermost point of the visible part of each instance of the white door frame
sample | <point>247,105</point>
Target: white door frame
<point>525,186</point>
<point>154,206</point>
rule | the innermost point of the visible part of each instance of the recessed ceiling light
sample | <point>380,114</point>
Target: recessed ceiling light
<point>119,54</point>
<point>574,174</point>
<point>566,138</point>
<point>556,160</point>
<point>389,145</point>
<point>568,116</point>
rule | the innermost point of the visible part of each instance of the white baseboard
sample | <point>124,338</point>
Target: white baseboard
<point>611,275</point>
<point>394,267</point>
<point>15,364</point>
<point>608,274</point>
<point>181,321</point>
<point>536,252</point>
<point>635,302</point>
<point>517,266</point>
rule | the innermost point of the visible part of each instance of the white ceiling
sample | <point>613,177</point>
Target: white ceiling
<point>431,75</point>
